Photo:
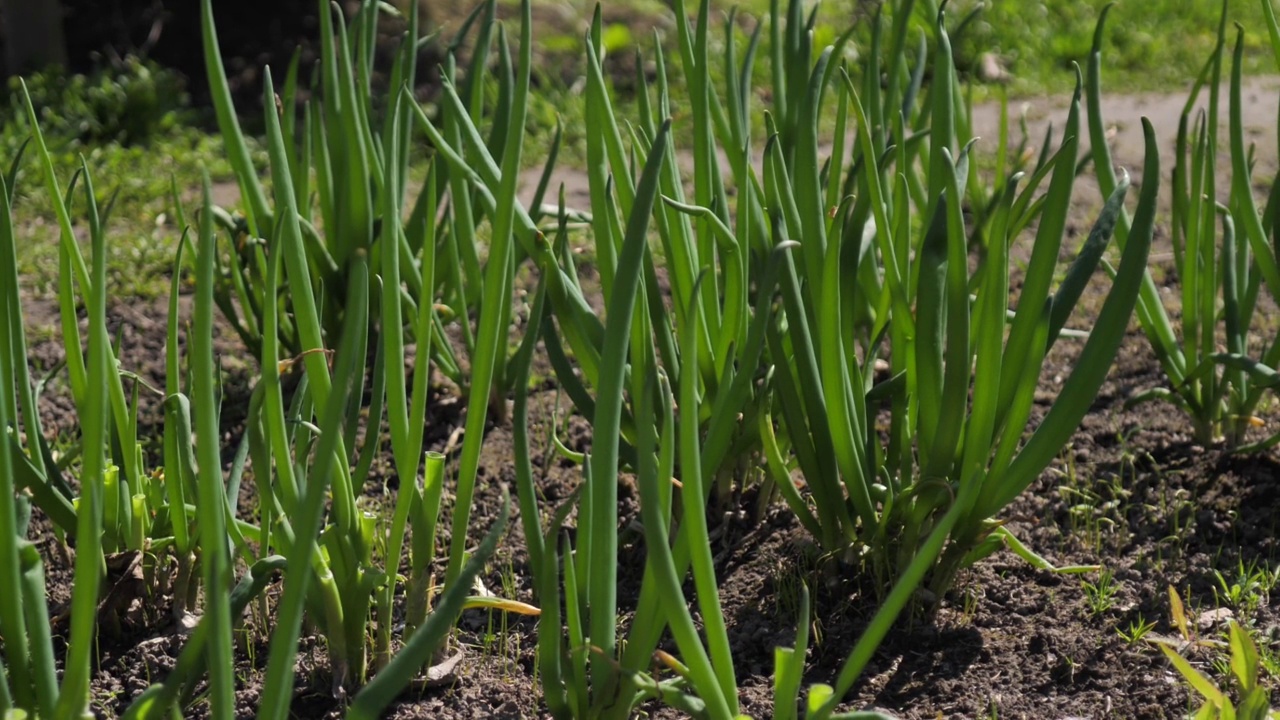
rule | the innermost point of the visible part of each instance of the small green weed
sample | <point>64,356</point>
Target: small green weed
<point>1247,589</point>
<point>1100,596</point>
<point>1136,630</point>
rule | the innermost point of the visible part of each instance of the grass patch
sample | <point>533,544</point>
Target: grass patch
<point>1153,45</point>
<point>134,125</point>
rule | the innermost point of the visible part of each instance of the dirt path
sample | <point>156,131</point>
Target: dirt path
<point>1122,113</point>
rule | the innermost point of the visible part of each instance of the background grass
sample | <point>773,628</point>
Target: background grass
<point>1150,44</point>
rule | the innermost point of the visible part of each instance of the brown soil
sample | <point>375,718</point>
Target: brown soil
<point>1132,492</point>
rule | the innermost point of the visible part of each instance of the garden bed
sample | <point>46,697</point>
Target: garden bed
<point>1133,493</point>
<point>1146,517</point>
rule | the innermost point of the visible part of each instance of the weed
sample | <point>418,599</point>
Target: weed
<point>1136,630</point>
<point>1100,596</point>
<point>1247,589</point>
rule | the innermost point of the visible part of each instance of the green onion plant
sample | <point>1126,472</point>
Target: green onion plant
<point>118,503</point>
<point>879,271</point>
<point>188,505</point>
<point>1222,258</point>
<point>586,669</point>
<point>127,485</point>
<point>336,163</point>
<point>341,161</point>
<point>962,366</point>
<point>371,267</point>
<point>29,682</point>
<point>846,268</point>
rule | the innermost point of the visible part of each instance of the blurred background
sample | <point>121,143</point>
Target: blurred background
<point>1028,45</point>
<point>144,57</point>
<point>122,82</point>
